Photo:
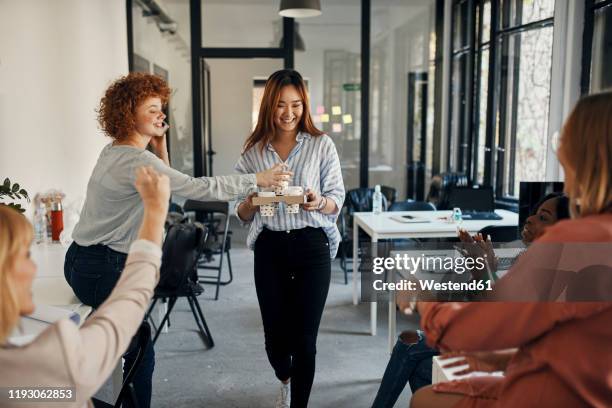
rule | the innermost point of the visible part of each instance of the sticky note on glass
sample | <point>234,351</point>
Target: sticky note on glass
<point>316,118</point>
<point>347,119</point>
<point>336,110</point>
<point>337,127</point>
<point>324,118</point>
<point>320,109</point>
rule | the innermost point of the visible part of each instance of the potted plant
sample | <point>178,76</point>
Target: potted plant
<point>13,191</point>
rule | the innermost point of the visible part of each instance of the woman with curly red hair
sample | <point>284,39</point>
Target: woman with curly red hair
<point>131,115</point>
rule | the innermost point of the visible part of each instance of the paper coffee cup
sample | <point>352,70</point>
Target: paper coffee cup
<point>281,189</point>
<point>294,190</point>
<point>266,194</point>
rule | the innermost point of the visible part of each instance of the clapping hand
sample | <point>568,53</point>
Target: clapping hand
<point>478,247</point>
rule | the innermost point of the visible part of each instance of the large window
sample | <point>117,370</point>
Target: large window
<point>500,94</point>
<point>597,75</point>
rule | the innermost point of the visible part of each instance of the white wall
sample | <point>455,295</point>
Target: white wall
<point>56,59</point>
<point>232,104</point>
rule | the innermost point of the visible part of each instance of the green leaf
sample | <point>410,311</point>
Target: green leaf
<point>23,192</point>
<point>15,188</point>
<point>7,183</point>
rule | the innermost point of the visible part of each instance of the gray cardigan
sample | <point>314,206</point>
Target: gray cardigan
<point>113,209</point>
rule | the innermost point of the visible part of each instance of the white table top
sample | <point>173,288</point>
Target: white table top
<point>49,259</point>
<point>435,225</point>
<point>50,286</point>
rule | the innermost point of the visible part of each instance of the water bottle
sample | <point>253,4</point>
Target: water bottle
<point>377,200</point>
<point>457,216</point>
<point>40,224</point>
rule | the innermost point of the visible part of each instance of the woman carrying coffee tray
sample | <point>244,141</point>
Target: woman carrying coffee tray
<point>293,246</point>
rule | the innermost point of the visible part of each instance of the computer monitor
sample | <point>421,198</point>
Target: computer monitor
<point>531,192</point>
<point>472,198</point>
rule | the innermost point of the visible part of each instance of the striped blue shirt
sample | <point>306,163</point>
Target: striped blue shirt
<point>315,165</point>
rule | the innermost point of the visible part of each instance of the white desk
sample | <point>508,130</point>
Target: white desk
<point>381,226</point>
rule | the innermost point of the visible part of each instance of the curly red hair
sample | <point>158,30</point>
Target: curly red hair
<point>117,111</point>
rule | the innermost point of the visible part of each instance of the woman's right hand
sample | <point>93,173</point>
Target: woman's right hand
<point>273,176</point>
<point>483,361</point>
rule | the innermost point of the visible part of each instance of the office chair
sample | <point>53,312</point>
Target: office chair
<point>410,205</point>
<point>182,248</point>
<point>127,393</point>
<point>440,187</point>
<point>357,200</point>
<point>218,243</point>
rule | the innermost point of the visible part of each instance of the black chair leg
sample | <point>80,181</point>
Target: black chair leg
<point>201,321</point>
<point>171,303</point>
<point>229,265</point>
<point>219,279</point>
<point>148,315</point>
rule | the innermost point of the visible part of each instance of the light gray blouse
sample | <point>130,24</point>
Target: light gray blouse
<point>113,209</point>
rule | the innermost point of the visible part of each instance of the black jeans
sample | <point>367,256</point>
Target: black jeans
<point>409,363</point>
<point>93,272</point>
<point>292,275</point>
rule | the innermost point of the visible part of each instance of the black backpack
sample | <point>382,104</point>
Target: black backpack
<point>182,248</point>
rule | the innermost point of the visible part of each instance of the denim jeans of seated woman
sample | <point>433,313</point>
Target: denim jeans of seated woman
<point>409,363</point>
<point>93,272</point>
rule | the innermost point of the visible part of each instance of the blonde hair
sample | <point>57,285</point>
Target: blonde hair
<point>15,232</point>
<point>585,152</point>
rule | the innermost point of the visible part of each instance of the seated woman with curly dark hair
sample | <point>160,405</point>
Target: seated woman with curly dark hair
<point>131,115</point>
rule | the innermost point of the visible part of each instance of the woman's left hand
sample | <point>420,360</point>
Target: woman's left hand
<point>313,201</point>
<point>158,144</point>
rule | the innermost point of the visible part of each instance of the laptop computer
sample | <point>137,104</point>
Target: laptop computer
<point>475,203</point>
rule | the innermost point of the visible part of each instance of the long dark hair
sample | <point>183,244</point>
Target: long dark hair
<point>265,130</point>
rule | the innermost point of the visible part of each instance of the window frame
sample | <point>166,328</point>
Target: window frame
<point>499,84</point>
<point>590,8</point>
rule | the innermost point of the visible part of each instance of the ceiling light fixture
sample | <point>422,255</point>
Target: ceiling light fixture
<point>300,8</point>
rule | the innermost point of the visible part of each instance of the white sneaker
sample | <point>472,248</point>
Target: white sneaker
<point>283,400</point>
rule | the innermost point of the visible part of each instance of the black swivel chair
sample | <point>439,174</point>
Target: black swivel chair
<point>218,243</point>
<point>127,394</point>
<point>410,205</point>
<point>180,258</point>
<point>441,185</point>
<point>357,200</point>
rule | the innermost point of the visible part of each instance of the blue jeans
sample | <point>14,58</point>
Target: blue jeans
<point>93,272</point>
<point>409,363</point>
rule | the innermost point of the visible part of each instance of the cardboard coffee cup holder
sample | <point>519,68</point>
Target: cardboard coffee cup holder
<point>287,199</point>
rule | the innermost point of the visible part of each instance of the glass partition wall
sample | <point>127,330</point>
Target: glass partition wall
<point>159,50</point>
<point>328,55</point>
<point>402,74</point>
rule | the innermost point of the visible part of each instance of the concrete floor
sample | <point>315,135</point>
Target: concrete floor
<point>236,372</point>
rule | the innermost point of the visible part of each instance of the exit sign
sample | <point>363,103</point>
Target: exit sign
<point>351,87</point>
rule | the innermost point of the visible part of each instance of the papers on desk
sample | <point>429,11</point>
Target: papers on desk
<point>32,325</point>
<point>408,219</point>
